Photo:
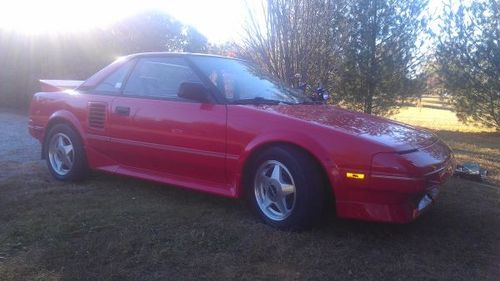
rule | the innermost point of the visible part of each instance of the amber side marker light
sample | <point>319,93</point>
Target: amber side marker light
<point>357,176</point>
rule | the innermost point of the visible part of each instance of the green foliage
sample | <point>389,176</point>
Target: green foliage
<point>377,70</point>
<point>24,59</point>
<point>468,57</point>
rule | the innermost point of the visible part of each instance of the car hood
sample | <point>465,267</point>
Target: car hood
<point>381,130</point>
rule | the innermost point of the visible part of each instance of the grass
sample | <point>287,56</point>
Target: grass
<point>115,228</point>
<point>483,148</point>
<point>435,118</point>
<point>434,113</point>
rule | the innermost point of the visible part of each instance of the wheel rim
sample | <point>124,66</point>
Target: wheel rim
<point>61,154</point>
<point>275,190</point>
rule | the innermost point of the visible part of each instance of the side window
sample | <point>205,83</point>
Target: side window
<point>159,77</point>
<point>113,83</point>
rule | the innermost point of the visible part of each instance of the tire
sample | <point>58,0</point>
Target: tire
<point>65,154</point>
<point>284,188</point>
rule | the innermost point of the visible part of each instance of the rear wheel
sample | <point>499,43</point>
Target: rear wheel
<point>285,188</point>
<point>65,155</point>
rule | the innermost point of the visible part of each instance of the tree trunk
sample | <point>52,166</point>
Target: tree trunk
<point>372,69</point>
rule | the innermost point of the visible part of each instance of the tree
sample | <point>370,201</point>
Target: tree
<point>228,49</point>
<point>363,52</point>
<point>152,31</point>
<point>468,57</point>
<point>289,37</point>
<point>378,68</point>
<point>195,42</point>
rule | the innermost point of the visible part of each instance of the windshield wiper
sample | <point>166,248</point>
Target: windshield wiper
<point>310,102</point>
<point>259,100</point>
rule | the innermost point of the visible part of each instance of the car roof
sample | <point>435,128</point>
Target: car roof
<point>176,54</point>
<point>97,77</point>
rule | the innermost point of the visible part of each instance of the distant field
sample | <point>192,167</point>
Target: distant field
<point>435,114</point>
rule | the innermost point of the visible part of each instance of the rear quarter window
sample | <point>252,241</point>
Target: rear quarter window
<point>114,82</point>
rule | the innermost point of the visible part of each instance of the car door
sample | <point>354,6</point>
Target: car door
<point>154,131</point>
<point>99,100</point>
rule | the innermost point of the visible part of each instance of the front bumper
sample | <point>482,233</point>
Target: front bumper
<point>408,208</point>
<point>394,199</point>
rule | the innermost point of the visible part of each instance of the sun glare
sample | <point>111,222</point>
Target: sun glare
<point>59,16</point>
<point>219,20</point>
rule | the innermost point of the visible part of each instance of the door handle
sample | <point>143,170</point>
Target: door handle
<point>122,110</point>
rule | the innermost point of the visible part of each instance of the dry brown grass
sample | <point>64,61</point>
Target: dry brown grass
<point>483,148</point>
<point>435,113</point>
<point>437,119</point>
<point>115,228</point>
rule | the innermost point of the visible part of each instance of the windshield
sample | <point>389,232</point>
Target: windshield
<point>242,83</point>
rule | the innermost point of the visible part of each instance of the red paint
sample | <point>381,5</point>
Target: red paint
<point>205,146</point>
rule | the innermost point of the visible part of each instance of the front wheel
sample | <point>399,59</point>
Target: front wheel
<point>65,154</point>
<point>285,188</point>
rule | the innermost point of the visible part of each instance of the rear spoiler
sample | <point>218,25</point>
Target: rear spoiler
<point>59,85</point>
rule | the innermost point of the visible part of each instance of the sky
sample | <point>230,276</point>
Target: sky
<point>219,20</point>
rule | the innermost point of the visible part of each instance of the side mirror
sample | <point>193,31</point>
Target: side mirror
<point>194,91</point>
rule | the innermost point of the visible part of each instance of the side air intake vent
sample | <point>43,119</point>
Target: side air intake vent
<point>97,115</point>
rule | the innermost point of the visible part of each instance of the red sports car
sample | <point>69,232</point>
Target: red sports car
<point>219,125</point>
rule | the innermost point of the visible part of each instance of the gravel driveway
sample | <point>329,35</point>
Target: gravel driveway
<point>16,144</point>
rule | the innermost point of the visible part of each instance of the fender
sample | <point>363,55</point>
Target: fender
<point>300,140</point>
<point>69,117</point>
